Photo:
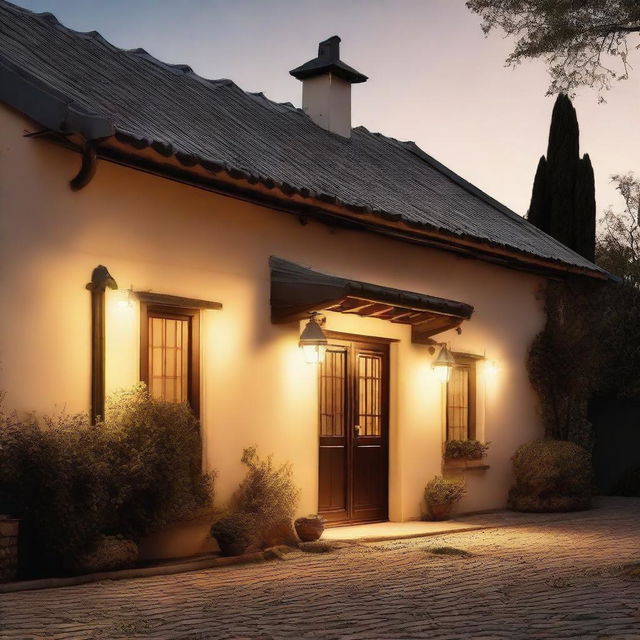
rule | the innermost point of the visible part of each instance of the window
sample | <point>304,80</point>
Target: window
<point>169,353</point>
<point>461,400</point>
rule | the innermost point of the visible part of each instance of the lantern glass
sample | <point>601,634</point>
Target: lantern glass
<point>313,340</point>
<point>443,372</point>
<point>443,364</point>
<point>314,353</point>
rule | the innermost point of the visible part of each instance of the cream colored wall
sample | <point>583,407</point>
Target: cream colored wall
<point>159,235</point>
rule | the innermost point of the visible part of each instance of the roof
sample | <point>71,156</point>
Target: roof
<point>217,125</point>
<point>328,61</point>
<point>297,290</point>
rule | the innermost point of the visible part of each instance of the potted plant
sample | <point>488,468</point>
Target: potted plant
<point>310,529</point>
<point>8,548</point>
<point>234,533</point>
<point>465,454</point>
<point>441,495</point>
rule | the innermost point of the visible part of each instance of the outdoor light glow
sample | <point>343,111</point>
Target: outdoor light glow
<point>313,340</point>
<point>442,373</point>
<point>443,364</point>
<point>124,300</point>
<point>491,368</point>
<point>313,353</point>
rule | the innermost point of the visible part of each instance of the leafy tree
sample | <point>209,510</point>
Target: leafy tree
<point>618,244</point>
<point>583,42</point>
<point>563,202</point>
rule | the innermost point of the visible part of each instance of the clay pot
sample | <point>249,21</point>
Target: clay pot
<point>436,511</point>
<point>309,529</point>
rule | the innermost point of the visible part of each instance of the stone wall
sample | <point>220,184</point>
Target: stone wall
<point>8,549</point>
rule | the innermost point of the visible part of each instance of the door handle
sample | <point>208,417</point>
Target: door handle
<point>356,429</point>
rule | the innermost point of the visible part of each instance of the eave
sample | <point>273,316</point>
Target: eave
<point>158,160</point>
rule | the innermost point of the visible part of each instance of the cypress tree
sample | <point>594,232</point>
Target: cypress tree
<point>538,209</point>
<point>563,195</point>
<point>585,207</point>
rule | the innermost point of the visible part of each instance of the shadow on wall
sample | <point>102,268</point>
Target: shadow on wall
<point>616,427</point>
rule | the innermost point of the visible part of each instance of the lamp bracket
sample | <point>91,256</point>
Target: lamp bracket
<point>318,317</point>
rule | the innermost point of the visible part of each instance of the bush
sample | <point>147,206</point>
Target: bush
<point>551,475</point>
<point>109,553</point>
<point>465,449</point>
<point>71,482</point>
<point>441,494</point>
<point>269,496</point>
<point>234,534</point>
<point>629,484</point>
<point>158,456</point>
<point>442,490</point>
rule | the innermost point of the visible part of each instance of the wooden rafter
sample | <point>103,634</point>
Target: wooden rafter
<point>296,291</point>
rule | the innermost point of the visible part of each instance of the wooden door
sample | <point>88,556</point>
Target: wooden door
<point>354,425</point>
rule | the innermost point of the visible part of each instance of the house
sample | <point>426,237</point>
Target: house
<point>231,225</point>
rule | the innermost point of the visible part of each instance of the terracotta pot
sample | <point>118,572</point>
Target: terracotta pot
<point>309,529</point>
<point>437,511</point>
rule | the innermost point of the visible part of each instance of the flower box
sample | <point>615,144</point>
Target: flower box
<point>461,464</point>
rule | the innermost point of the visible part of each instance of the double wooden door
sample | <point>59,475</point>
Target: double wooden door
<point>354,432</point>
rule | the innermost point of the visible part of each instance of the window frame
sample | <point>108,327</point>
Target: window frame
<point>463,361</point>
<point>148,310</point>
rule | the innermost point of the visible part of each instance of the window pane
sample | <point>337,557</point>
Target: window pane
<point>369,394</point>
<point>332,381</point>
<point>458,404</point>
<point>169,358</point>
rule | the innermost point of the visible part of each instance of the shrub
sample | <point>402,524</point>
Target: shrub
<point>158,456</point>
<point>109,553</point>
<point>269,496</point>
<point>234,534</point>
<point>551,475</point>
<point>70,482</point>
<point>441,490</point>
<point>440,495</point>
<point>628,484</point>
<point>465,449</point>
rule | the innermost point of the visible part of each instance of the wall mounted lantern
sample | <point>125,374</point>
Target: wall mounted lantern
<point>491,368</point>
<point>313,340</point>
<point>125,298</point>
<point>443,364</point>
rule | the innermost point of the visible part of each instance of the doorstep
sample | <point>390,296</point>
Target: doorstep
<point>379,531</point>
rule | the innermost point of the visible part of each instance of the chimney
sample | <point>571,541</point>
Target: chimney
<point>326,88</point>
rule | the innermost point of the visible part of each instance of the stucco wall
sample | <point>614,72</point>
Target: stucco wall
<point>158,235</point>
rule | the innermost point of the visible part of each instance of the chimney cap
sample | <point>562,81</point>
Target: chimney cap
<point>328,61</point>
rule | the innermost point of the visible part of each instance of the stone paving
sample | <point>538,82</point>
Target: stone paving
<point>557,578</point>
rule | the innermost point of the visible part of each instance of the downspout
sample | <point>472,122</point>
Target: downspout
<point>100,280</point>
<point>87,168</point>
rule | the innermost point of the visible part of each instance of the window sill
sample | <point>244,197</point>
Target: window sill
<point>458,464</point>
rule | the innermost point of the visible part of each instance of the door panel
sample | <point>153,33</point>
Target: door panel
<point>332,499</point>
<point>354,432</point>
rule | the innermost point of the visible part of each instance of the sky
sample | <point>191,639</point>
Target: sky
<point>434,77</point>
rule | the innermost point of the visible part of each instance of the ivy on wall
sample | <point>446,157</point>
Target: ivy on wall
<point>564,361</point>
<point>589,348</point>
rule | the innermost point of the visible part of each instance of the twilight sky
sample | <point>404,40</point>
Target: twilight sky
<point>433,76</point>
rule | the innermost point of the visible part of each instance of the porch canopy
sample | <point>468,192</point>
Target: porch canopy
<point>296,291</point>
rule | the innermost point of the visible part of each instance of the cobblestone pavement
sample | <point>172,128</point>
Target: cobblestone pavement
<point>553,579</point>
